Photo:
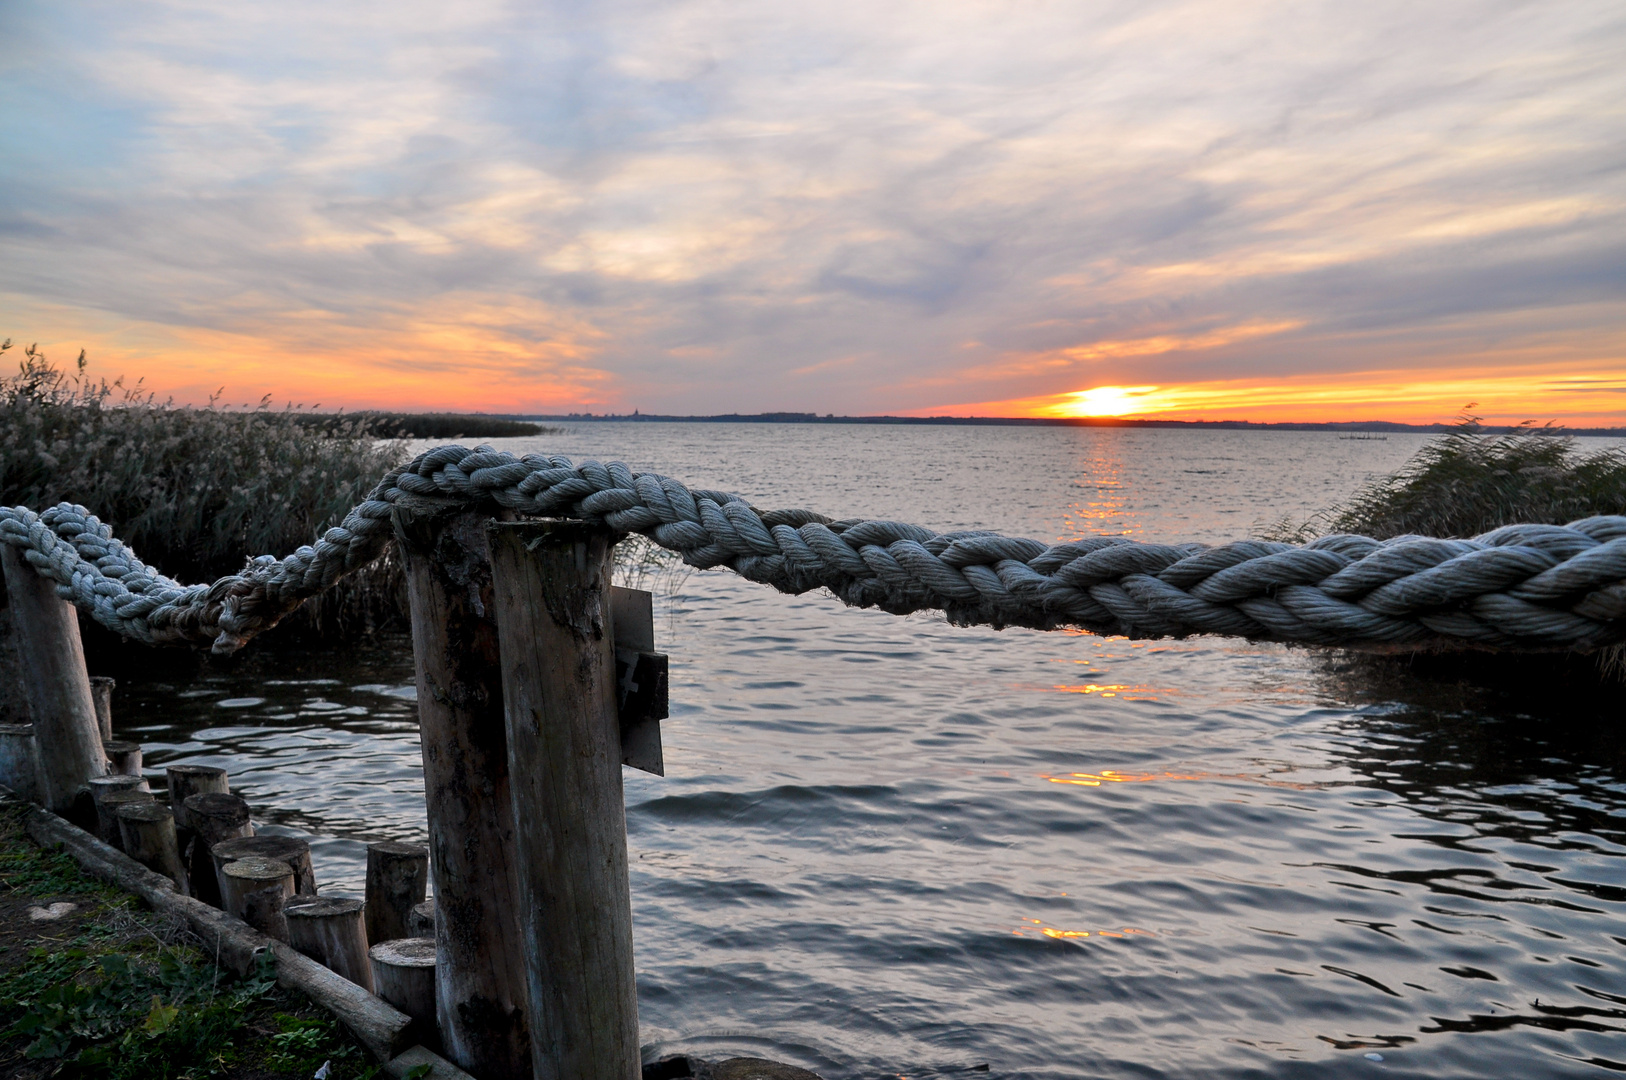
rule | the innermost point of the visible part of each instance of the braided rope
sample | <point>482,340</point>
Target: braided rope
<point>1525,587</point>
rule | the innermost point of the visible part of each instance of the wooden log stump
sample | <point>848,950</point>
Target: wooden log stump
<point>67,738</point>
<point>397,878</point>
<point>481,998</point>
<point>107,810</point>
<point>184,781</point>
<point>101,695</point>
<point>148,831</point>
<point>213,817</point>
<point>404,976</point>
<point>332,931</point>
<point>103,786</point>
<point>17,760</point>
<point>553,621</point>
<point>421,920</point>
<point>289,849</point>
<point>188,780</point>
<point>255,890</point>
<point>123,758</point>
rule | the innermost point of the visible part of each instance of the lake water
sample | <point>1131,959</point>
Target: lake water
<point>890,847</point>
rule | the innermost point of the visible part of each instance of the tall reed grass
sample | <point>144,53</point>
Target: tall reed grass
<point>1467,482</point>
<point>194,491</point>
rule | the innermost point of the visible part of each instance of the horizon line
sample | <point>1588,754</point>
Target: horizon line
<point>1359,426</point>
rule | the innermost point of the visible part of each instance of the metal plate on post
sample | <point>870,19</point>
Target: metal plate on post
<point>640,676</point>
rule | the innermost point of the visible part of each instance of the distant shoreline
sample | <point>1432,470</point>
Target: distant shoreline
<point>1374,426</point>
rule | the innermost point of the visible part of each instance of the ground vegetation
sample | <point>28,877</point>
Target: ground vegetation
<point>93,986</point>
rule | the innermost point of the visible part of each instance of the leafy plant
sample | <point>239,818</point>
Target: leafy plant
<point>123,1017</point>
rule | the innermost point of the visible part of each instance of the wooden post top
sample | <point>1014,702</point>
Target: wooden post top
<point>258,868</point>
<point>322,907</point>
<point>141,810</point>
<point>265,846</point>
<point>195,770</point>
<point>418,952</point>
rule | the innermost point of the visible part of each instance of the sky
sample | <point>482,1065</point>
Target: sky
<point>1259,210</point>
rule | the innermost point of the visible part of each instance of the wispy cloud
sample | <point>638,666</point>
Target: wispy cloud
<point>715,206</point>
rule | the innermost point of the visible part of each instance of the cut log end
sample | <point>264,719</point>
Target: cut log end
<point>404,976</point>
<point>148,832</point>
<point>255,889</point>
<point>331,931</point>
<point>397,879</point>
<point>289,849</point>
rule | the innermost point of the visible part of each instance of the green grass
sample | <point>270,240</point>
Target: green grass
<point>128,997</point>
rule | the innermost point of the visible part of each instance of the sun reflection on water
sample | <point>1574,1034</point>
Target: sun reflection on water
<point>1037,926</point>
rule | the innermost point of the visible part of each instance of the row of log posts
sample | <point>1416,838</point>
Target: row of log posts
<point>67,735</point>
<point>516,673</point>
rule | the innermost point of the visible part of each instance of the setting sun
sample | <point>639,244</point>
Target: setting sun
<point>1104,401</point>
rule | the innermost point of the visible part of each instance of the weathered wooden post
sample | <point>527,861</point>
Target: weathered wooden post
<point>108,800</point>
<point>329,930</point>
<point>186,780</point>
<point>148,831</point>
<point>101,693</point>
<point>211,817</point>
<point>255,890</point>
<point>287,849</point>
<point>558,662</point>
<point>67,738</point>
<point>421,921</point>
<point>123,758</point>
<point>480,998</point>
<point>404,976</point>
<point>397,876</point>
<point>17,760</point>
<point>103,786</point>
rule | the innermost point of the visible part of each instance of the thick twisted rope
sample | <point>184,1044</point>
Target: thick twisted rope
<point>1520,587</point>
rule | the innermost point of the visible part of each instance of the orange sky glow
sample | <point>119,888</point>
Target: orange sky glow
<point>1383,213</point>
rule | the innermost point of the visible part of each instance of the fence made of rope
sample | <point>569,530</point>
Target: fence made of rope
<point>1520,587</point>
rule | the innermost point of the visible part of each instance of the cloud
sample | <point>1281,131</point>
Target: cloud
<point>713,207</point>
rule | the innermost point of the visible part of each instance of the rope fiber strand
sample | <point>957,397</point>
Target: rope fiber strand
<point>1524,587</point>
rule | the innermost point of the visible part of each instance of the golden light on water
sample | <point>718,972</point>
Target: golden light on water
<point>1112,776</point>
<point>1038,927</point>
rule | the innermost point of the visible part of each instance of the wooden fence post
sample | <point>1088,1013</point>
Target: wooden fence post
<point>329,930</point>
<point>397,874</point>
<point>480,997</point>
<point>148,832</point>
<point>255,890</point>
<point>67,737</point>
<point>101,693</point>
<point>558,663</point>
<point>209,818</point>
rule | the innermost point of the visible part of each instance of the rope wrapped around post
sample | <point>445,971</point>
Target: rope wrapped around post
<point>1525,587</point>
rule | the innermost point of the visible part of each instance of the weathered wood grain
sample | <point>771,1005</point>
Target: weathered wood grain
<point>67,737</point>
<point>553,622</point>
<point>480,992</point>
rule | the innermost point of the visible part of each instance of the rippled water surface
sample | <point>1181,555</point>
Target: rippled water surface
<point>887,846</point>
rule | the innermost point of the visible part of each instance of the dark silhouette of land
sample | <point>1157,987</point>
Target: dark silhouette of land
<point>1352,426</point>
